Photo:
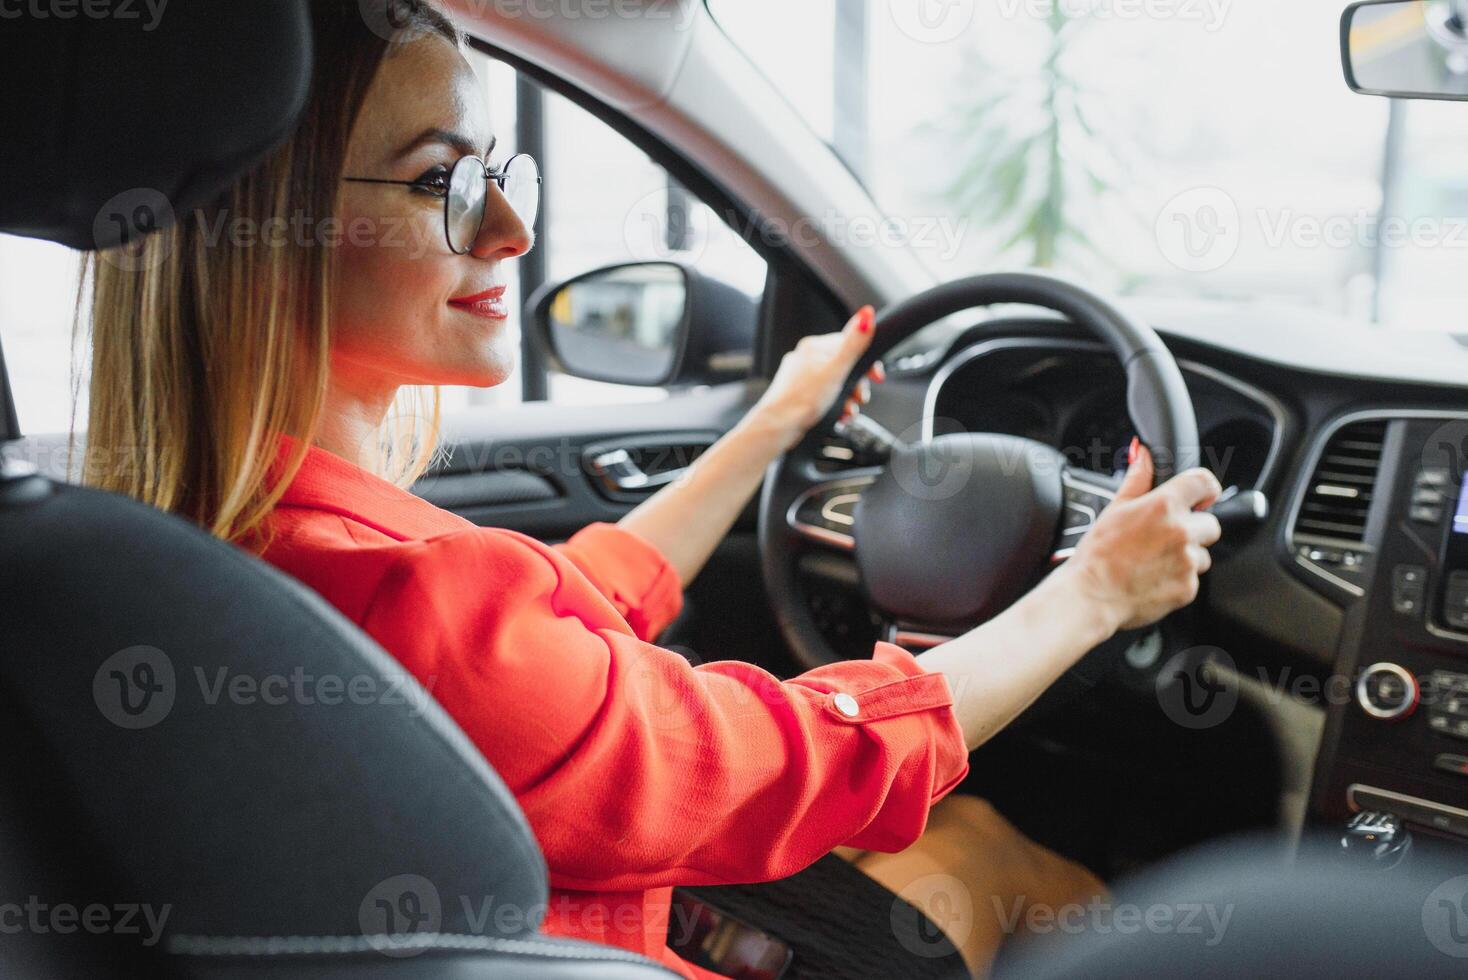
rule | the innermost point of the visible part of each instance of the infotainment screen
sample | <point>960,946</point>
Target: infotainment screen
<point>1460,514</point>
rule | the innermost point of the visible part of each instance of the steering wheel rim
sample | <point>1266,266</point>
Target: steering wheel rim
<point>1157,402</point>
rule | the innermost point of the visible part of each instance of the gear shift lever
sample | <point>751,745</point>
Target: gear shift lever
<point>1375,840</point>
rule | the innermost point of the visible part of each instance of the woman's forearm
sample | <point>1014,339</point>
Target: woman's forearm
<point>687,519</point>
<point>998,669</point>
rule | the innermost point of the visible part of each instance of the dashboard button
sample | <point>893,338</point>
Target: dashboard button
<point>1387,691</point>
<point>1409,585</point>
<point>1448,762</point>
<point>1423,514</point>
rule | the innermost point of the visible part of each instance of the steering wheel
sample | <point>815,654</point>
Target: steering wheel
<point>954,528</point>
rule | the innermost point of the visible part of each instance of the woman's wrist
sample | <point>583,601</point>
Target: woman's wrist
<point>772,428</point>
<point>1068,596</point>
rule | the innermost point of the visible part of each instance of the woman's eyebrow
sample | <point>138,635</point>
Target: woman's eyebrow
<point>460,143</point>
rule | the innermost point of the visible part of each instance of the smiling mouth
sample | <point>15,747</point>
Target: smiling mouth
<point>489,304</point>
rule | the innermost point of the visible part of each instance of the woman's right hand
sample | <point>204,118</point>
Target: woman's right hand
<point>1143,557</point>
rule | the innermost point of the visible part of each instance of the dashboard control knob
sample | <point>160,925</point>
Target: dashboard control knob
<point>1387,691</point>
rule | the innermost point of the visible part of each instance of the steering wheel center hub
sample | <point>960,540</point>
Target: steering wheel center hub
<point>957,528</point>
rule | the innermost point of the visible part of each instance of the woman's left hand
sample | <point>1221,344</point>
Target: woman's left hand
<point>809,380</point>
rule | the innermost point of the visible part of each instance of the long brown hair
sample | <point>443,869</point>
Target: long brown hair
<point>205,348</point>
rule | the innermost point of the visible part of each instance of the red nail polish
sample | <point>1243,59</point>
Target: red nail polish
<point>1133,450</point>
<point>866,319</point>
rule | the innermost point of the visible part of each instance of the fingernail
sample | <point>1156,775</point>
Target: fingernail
<point>1133,450</point>
<point>881,371</point>
<point>866,313</point>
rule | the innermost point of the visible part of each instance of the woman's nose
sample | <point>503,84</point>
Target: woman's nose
<point>502,235</point>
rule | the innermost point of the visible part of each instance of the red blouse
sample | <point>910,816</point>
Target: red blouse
<point>636,770</point>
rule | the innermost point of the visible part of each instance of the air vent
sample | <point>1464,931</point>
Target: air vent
<point>1339,495</point>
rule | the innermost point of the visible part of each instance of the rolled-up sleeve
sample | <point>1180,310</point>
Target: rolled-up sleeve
<point>634,575</point>
<point>636,769</point>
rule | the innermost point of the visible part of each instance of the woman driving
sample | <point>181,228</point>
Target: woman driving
<point>264,387</point>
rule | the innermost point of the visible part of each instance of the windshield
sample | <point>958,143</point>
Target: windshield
<point>1185,148</point>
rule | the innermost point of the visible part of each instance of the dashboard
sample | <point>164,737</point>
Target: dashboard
<point>1071,394</point>
<point>1358,576</point>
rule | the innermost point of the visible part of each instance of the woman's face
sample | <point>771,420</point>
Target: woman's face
<point>402,313</point>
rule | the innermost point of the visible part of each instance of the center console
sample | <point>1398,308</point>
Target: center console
<point>1382,527</point>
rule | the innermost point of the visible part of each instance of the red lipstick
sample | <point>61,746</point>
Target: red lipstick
<point>489,304</point>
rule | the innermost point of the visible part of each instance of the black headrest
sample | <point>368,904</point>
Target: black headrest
<point>114,106</point>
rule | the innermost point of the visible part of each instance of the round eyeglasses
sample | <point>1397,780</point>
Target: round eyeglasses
<point>465,193</point>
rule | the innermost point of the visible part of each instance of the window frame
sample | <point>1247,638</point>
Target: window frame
<point>790,282</point>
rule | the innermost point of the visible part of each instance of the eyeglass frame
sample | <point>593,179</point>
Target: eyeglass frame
<point>500,177</point>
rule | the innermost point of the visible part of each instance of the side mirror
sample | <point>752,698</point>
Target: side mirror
<point>1407,49</point>
<point>645,323</point>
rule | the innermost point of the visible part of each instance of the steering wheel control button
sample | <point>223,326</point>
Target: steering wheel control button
<point>1409,587</point>
<point>840,510</point>
<point>1387,691</point>
<point>827,512</point>
<point>846,704</point>
<point>1449,762</point>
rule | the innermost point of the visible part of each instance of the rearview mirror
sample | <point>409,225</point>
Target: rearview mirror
<point>1407,49</point>
<point>645,323</point>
